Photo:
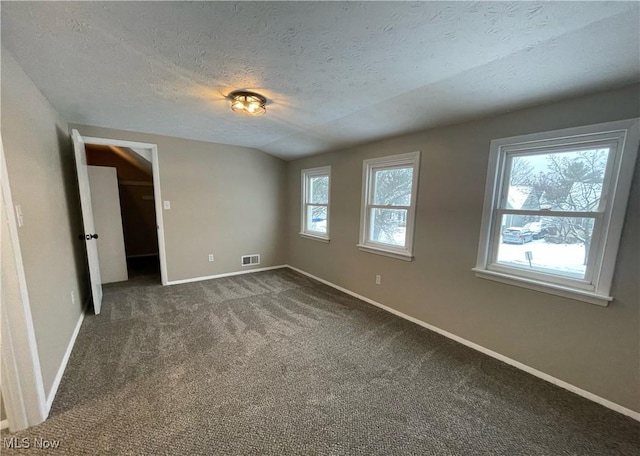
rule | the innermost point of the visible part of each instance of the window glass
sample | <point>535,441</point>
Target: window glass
<point>554,209</point>
<point>389,205</point>
<point>316,184</point>
<point>389,226</point>
<point>319,189</point>
<point>561,181</point>
<point>551,245</point>
<point>317,218</point>
<point>393,186</point>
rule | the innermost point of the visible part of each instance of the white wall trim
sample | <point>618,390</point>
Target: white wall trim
<point>23,386</point>
<point>326,240</point>
<point>369,167</point>
<point>512,362</point>
<point>65,360</point>
<point>622,138</point>
<point>307,174</point>
<point>4,424</point>
<point>226,274</point>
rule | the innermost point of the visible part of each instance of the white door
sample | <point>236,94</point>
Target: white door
<point>89,234</point>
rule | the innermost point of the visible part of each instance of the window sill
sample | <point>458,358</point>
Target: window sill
<point>387,253</point>
<point>314,238</point>
<point>545,287</point>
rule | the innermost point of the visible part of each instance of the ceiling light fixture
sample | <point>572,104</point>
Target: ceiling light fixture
<point>249,103</point>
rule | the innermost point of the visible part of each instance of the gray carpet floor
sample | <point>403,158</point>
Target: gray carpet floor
<point>274,363</point>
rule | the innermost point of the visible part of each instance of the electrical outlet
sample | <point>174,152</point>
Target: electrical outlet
<point>211,257</point>
<point>378,279</point>
<point>166,205</point>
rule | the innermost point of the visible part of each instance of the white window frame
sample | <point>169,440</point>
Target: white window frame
<point>369,166</point>
<point>307,174</point>
<point>624,137</point>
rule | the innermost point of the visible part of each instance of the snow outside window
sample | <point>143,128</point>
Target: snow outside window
<point>554,209</point>
<point>316,184</point>
<point>389,205</point>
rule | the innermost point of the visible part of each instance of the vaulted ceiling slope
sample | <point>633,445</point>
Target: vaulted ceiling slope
<point>335,73</point>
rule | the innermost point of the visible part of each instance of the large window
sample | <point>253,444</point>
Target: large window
<point>316,184</point>
<point>389,205</point>
<point>554,209</point>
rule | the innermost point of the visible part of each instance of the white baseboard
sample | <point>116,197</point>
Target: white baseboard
<point>72,341</point>
<point>512,362</point>
<point>65,361</point>
<point>4,424</point>
<point>226,274</point>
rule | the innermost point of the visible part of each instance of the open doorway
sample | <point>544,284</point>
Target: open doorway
<point>134,165</point>
<point>122,194</point>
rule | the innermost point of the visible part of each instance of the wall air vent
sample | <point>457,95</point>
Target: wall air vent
<point>250,260</point>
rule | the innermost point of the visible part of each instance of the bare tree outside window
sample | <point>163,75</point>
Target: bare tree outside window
<point>392,187</point>
<point>315,202</point>
<point>568,182</point>
<point>319,192</point>
<point>389,205</point>
<point>554,209</point>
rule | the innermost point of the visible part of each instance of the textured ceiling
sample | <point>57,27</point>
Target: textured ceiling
<point>336,73</point>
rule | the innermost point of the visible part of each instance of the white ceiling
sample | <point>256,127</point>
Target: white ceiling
<point>336,73</point>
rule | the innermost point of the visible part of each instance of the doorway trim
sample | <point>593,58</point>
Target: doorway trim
<point>22,384</point>
<point>157,196</point>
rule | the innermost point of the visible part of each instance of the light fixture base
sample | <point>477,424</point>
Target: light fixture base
<point>248,103</point>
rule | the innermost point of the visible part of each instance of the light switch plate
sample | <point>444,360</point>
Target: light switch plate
<point>167,205</point>
<point>19,216</point>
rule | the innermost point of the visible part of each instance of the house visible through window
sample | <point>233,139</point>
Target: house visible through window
<point>388,205</point>
<point>554,209</point>
<point>315,203</point>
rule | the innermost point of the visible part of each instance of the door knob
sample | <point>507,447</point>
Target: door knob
<point>88,237</point>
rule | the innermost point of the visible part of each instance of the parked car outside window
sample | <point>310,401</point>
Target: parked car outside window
<point>538,229</point>
<point>517,235</point>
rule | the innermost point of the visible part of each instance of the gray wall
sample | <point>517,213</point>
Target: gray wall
<point>225,200</point>
<point>592,347</point>
<point>41,172</point>
<point>230,201</point>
